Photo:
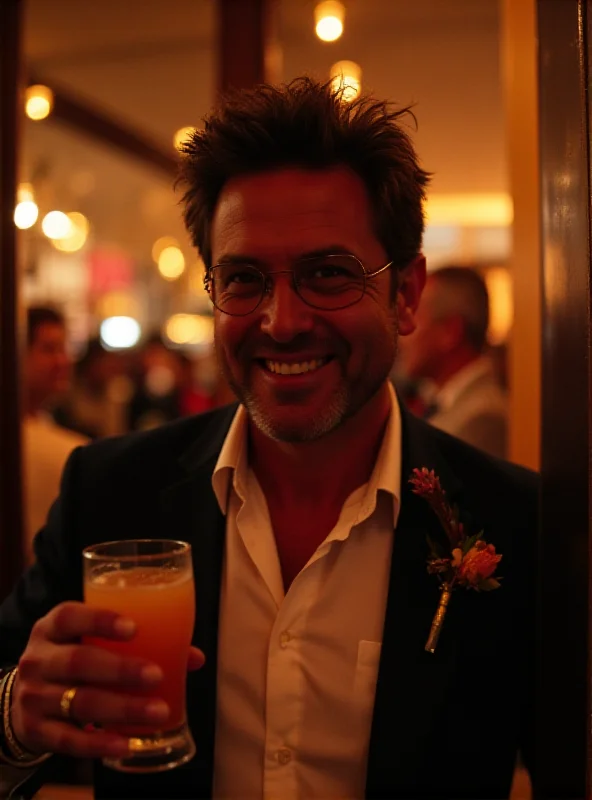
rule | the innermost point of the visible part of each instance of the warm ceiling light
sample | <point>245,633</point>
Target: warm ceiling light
<point>171,263</point>
<point>160,244</point>
<point>38,102</point>
<point>25,214</point>
<point>182,135</point>
<point>347,78</point>
<point>329,20</point>
<point>77,237</point>
<point>56,225</point>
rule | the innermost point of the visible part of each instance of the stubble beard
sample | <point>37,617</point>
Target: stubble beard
<point>342,406</point>
<point>333,415</point>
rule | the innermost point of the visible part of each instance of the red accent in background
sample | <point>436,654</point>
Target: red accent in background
<point>109,270</point>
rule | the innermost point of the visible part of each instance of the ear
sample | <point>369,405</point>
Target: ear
<point>411,283</point>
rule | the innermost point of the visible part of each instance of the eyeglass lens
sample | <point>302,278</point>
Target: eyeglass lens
<point>327,282</point>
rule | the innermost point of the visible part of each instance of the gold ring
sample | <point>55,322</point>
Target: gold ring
<point>66,702</point>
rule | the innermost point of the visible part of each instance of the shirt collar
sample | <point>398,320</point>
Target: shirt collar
<point>232,464</point>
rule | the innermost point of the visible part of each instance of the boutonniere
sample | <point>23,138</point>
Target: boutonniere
<point>464,561</point>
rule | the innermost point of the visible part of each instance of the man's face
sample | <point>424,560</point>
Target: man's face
<point>47,363</point>
<point>272,220</point>
<point>421,353</point>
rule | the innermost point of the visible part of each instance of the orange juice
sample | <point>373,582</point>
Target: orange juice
<point>161,601</point>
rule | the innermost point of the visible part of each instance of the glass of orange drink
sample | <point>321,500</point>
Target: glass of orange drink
<point>151,582</point>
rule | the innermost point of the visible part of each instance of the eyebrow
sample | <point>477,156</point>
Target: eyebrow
<point>319,252</point>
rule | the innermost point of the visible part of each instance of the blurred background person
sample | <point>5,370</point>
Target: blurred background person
<point>195,389</point>
<point>47,372</point>
<point>97,402</point>
<point>157,395</point>
<point>446,357</point>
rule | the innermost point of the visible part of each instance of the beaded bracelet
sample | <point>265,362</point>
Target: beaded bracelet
<point>11,751</point>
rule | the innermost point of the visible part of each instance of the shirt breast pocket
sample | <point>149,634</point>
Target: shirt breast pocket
<point>366,674</point>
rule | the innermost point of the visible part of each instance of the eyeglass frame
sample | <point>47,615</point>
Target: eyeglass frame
<point>268,283</point>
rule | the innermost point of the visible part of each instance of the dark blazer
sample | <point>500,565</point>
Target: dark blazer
<point>445,726</point>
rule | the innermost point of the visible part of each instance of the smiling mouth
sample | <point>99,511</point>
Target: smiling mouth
<point>300,368</point>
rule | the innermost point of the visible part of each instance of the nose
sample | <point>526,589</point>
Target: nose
<point>284,314</point>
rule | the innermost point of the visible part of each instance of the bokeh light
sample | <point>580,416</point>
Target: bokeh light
<point>25,214</point>
<point>78,235</point>
<point>329,20</point>
<point>119,333</point>
<point>38,102</point>
<point>189,329</point>
<point>182,135</point>
<point>56,225</point>
<point>171,263</point>
<point>347,76</point>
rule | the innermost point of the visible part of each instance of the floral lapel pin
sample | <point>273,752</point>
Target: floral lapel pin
<point>465,561</point>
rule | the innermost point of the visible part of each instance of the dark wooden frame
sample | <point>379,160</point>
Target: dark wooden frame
<point>11,512</point>
<point>564,578</point>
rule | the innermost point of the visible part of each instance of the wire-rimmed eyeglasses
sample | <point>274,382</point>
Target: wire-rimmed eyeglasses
<point>328,282</point>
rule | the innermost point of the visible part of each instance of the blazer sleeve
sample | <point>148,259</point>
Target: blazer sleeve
<point>55,576</point>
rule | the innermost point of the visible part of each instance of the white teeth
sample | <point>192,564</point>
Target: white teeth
<point>281,368</point>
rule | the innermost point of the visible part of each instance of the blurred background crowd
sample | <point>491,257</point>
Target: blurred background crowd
<point>120,328</point>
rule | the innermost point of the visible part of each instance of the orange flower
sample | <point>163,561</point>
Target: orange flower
<point>478,565</point>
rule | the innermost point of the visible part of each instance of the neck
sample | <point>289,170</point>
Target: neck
<point>452,364</point>
<point>323,472</point>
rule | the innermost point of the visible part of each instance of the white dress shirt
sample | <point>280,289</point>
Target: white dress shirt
<point>297,671</point>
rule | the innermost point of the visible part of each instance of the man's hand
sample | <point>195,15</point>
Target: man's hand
<point>54,660</point>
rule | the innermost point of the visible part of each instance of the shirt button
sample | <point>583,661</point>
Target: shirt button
<point>285,638</point>
<point>284,756</point>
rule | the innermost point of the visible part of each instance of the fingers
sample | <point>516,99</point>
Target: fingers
<point>61,655</point>
<point>65,738</point>
<point>74,664</point>
<point>91,705</point>
<point>196,659</point>
<point>68,622</point>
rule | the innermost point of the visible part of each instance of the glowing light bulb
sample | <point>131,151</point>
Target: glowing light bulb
<point>346,77</point>
<point>38,102</point>
<point>171,263</point>
<point>77,236</point>
<point>56,225</point>
<point>118,333</point>
<point>329,20</point>
<point>25,214</point>
<point>182,135</point>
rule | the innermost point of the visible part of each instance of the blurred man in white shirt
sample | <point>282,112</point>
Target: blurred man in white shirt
<point>446,352</point>
<point>46,446</point>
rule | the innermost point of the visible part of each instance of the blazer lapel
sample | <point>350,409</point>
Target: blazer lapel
<point>411,684</point>
<point>190,511</point>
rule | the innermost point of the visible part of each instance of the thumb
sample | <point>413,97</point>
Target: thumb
<point>196,659</point>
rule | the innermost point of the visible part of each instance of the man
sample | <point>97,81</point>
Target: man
<point>46,446</point>
<point>314,603</point>
<point>446,350</point>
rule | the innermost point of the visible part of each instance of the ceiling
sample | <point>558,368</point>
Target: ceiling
<point>151,64</point>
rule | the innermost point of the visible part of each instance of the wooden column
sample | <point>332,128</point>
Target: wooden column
<point>248,50</point>
<point>563,680</point>
<point>11,511</point>
<point>520,85</point>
